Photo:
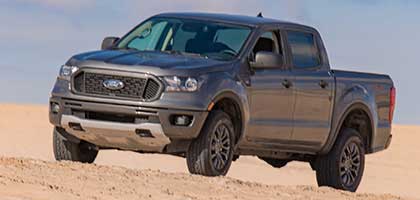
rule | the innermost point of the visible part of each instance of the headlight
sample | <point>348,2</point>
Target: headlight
<point>67,71</point>
<point>181,84</point>
<point>191,84</point>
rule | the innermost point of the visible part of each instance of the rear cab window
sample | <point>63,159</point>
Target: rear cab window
<point>305,53</point>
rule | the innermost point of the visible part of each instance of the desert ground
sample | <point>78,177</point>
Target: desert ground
<point>28,170</point>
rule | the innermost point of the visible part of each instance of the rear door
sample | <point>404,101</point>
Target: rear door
<point>271,97</point>
<point>313,87</point>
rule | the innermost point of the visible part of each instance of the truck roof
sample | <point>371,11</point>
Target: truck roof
<point>229,18</point>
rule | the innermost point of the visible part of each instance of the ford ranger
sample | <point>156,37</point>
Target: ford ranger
<point>212,87</point>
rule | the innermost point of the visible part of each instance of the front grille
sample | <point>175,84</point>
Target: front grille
<point>110,117</point>
<point>115,117</point>
<point>141,88</point>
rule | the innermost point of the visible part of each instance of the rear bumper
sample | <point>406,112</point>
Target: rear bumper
<point>151,130</point>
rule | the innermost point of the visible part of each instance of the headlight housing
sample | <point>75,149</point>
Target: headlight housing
<point>67,71</point>
<point>181,84</point>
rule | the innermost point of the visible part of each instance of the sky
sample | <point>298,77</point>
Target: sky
<point>38,36</point>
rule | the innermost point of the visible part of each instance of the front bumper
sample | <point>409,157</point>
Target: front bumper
<point>151,131</point>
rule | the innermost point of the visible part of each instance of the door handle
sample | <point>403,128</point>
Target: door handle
<point>323,84</point>
<point>286,83</point>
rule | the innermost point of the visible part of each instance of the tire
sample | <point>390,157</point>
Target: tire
<point>67,150</point>
<point>211,153</point>
<point>342,168</point>
<point>276,163</point>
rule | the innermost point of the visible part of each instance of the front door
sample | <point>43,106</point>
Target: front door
<point>271,98</point>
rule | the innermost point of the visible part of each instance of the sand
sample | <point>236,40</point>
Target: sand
<point>28,170</point>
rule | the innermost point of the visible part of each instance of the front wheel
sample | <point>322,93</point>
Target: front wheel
<point>65,149</point>
<point>211,153</point>
<point>343,167</point>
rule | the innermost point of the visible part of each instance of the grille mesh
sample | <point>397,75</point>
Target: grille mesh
<point>151,89</point>
<point>134,87</point>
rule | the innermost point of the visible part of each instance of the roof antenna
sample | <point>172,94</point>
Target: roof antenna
<point>260,15</point>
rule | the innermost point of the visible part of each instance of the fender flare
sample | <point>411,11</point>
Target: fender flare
<point>335,133</point>
<point>241,104</point>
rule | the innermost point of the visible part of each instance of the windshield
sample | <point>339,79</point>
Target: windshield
<point>185,36</point>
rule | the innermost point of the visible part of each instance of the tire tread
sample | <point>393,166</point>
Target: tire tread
<point>197,154</point>
<point>67,150</point>
<point>327,165</point>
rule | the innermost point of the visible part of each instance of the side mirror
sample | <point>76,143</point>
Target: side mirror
<point>266,59</point>
<point>109,42</point>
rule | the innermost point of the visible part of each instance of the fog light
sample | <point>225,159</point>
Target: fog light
<point>182,120</point>
<point>55,108</point>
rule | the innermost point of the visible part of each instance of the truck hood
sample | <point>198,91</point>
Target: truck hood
<point>147,61</point>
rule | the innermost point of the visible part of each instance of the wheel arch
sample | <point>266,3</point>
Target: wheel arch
<point>233,105</point>
<point>363,122</point>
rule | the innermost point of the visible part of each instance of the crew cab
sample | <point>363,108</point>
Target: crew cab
<point>213,87</point>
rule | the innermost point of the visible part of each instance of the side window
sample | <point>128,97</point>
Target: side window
<point>304,51</point>
<point>268,41</point>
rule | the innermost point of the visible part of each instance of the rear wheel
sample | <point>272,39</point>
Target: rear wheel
<point>65,149</point>
<point>343,167</point>
<point>211,153</point>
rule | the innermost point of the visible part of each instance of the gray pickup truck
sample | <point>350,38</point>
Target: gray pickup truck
<point>212,87</point>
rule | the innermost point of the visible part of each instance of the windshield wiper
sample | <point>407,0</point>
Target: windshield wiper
<point>172,52</point>
<point>176,52</point>
<point>128,48</point>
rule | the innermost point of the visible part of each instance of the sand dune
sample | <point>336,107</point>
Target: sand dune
<point>26,133</point>
<point>34,179</point>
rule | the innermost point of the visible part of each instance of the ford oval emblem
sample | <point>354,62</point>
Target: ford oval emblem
<point>113,84</point>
